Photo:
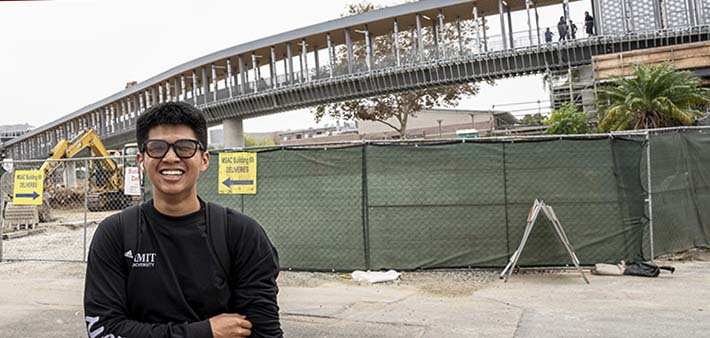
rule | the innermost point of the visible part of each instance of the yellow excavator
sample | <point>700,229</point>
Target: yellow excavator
<point>105,174</point>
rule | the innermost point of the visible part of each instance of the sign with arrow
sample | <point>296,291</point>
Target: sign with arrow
<point>237,173</point>
<point>29,187</point>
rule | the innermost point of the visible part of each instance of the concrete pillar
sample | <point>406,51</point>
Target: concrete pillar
<point>510,28</point>
<point>527,11</point>
<point>477,27</point>
<point>316,58</point>
<point>272,68</point>
<point>397,52</point>
<point>537,24</point>
<point>205,85</point>
<point>331,55</point>
<point>214,82</point>
<point>441,32</point>
<point>420,39</point>
<point>289,64</point>
<point>502,24</point>
<point>304,66</point>
<point>255,69</point>
<point>230,78</point>
<point>233,133</point>
<point>368,50</point>
<point>70,174</point>
<point>349,46</point>
<point>194,86</point>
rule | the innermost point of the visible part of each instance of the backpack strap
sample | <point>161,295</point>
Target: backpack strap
<point>130,221</point>
<point>217,233</point>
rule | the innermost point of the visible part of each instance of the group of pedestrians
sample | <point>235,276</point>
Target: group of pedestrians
<point>568,30</point>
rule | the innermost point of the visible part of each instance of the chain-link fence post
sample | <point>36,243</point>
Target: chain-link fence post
<point>86,205</point>
<point>505,201</point>
<point>649,200</point>
<point>365,213</point>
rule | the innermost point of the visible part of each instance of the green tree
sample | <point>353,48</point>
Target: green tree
<point>654,97</point>
<point>567,120</point>
<point>532,119</point>
<point>400,106</point>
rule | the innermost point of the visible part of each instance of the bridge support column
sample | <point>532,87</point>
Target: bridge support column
<point>230,78</point>
<point>331,55</point>
<point>205,85</point>
<point>154,93</point>
<point>368,49</point>
<point>442,35</point>
<point>435,35</point>
<point>420,39</point>
<point>398,56</point>
<point>537,24</point>
<point>214,82</point>
<point>289,64</point>
<point>349,46</point>
<point>272,68</point>
<point>242,75</point>
<point>315,55</point>
<point>527,12</point>
<point>233,133</point>
<point>502,24</point>
<point>255,68</point>
<point>510,27</point>
<point>304,56</point>
<point>477,27</point>
<point>70,174</point>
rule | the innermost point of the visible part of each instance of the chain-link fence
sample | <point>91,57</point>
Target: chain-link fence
<point>77,194</point>
<point>410,205</point>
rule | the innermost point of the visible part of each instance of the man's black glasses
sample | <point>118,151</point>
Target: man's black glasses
<point>182,148</point>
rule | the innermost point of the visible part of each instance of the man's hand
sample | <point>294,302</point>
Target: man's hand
<point>230,325</point>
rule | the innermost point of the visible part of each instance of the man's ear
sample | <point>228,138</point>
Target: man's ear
<point>139,160</point>
<point>205,161</point>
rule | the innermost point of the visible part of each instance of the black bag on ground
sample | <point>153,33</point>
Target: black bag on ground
<point>646,269</point>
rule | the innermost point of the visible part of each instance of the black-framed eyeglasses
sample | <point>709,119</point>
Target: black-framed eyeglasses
<point>182,148</point>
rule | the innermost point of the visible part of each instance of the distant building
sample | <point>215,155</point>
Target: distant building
<point>440,123</point>
<point>337,133</point>
<point>427,124</point>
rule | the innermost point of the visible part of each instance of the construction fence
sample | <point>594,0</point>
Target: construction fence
<point>451,204</point>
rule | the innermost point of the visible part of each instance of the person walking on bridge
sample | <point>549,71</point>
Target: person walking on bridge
<point>177,266</point>
<point>562,28</point>
<point>589,24</point>
<point>573,30</point>
<point>548,35</point>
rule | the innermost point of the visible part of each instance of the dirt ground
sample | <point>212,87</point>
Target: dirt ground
<point>40,299</point>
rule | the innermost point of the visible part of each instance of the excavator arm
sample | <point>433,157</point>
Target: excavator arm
<point>68,149</point>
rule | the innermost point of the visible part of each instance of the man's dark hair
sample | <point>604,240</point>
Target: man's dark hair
<point>174,114</point>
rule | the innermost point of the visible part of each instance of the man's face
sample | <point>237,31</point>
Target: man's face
<point>171,175</point>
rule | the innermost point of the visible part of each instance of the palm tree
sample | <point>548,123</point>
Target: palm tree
<point>654,97</point>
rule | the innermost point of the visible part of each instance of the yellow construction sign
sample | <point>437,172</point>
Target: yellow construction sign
<point>29,186</point>
<point>237,173</point>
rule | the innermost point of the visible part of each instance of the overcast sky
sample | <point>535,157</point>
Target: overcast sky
<point>59,56</point>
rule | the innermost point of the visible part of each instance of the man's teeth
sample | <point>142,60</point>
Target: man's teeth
<point>172,172</point>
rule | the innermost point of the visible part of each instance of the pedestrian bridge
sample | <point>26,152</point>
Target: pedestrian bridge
<point>427,43</point>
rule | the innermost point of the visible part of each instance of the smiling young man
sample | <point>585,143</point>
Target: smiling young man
<point>158,274</point>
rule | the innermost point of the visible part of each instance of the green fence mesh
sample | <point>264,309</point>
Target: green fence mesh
<point>408,206</point>
<point>681,190</point>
